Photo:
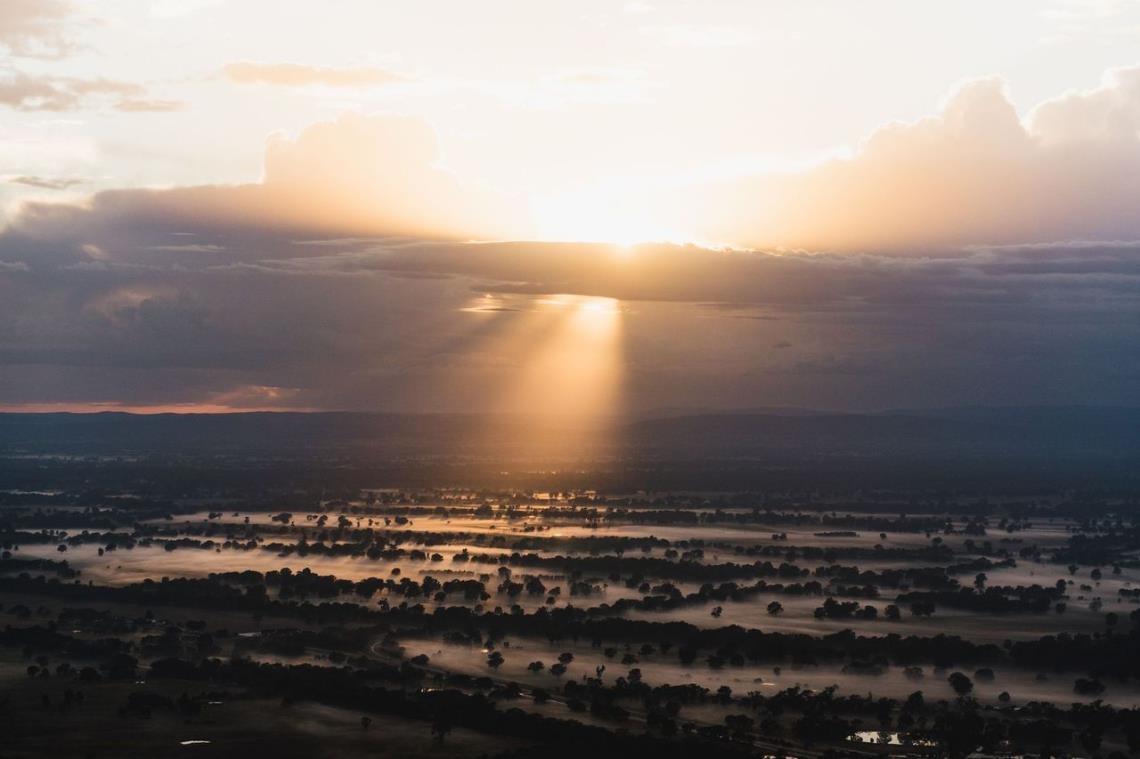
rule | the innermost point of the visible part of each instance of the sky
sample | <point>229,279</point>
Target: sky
<point>570,207</point>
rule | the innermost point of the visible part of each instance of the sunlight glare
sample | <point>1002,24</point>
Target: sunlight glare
<point>611,211</point>
<point>573,367</point>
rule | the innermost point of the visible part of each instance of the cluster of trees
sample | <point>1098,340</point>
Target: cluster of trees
<point>1033,599</point>
<point>930,553</point>
<point>1118,546</point>
<point>934,578</point>
<point>1108,651</point>
<point>832,609</point>
<point>641,567</point>
<point>18,565</point>
<point>353,689</point>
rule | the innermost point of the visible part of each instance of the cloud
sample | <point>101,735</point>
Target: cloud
<point>973,257</point>
<point>39,29</point>
<point>54,93</point>
<point>35,28</point>
<point>380,324</point>
<point>297,75</point>
<point>141,105</point>
<point>1025,281</point>
<point>1108,115</point>
<point>357,175</point>
<point>46,183</point>
<point>974,173</point>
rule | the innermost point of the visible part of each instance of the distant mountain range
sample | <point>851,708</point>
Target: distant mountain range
<point>1038,433</point>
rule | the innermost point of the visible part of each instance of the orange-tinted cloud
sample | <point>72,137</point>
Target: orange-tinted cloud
<point>297,75</point>
<point>358,175</point>
<point>976,173</point>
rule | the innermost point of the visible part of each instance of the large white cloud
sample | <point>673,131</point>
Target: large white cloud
<point>358,175</point>
<point>976,173</point>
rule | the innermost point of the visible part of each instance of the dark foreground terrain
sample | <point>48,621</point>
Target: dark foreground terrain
<point>177,587</point>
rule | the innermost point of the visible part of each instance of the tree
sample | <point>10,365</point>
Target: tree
<point>914,702</point>
<point>959,729</point>
<point>494,660</point>
<point>440,728</point>
<point>922,608</point>
<point>960,683</point>
<point>775,608</point>
<point>740,725</point>
<point>1088,687</point>
<point>365,722</point>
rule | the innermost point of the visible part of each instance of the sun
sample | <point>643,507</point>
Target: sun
<point>614,212</point>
